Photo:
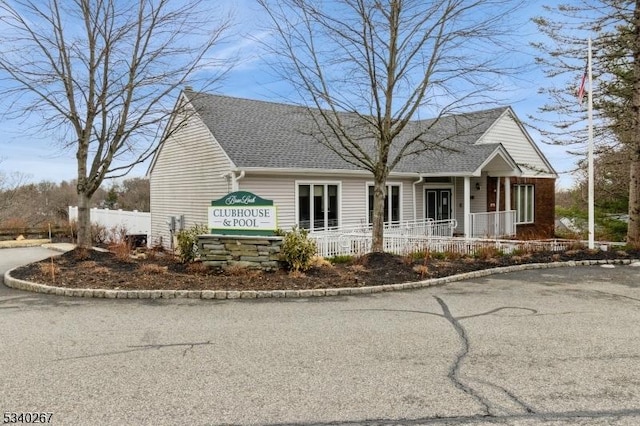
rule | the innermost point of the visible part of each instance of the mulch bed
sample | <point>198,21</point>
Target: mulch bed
<point>162,271</point>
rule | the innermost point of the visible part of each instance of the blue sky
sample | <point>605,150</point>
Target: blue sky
<point>251,78</point>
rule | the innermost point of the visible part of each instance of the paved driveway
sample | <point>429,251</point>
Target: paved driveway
<point>558,346</point>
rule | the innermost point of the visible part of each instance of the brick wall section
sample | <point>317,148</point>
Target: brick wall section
<point>545,203</point>
<point>253,252</point>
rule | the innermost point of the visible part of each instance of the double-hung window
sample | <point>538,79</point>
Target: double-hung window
<point>391,203</point>
<point>524,203</point>
<point>318,206</point>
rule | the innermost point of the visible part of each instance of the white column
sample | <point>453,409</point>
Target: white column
<point>498,194</point>
<point>507,193</point>
<point>497,223</point>
<point>467,206</point>
<point>507,203</point>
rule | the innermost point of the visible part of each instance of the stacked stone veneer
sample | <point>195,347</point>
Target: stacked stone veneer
<point>252,252</point>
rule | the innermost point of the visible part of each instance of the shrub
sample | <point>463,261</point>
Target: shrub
<point>121,250</point>
<point>422,270</point>
<point>487,252</point>
<point>453,255</point>
<point>341,259</point>
<point>49,268</point>
<point>415,256</point>
<point>99,234</point>
<point>320,262</point>
<point>188,242</point>
<point>297,249</point>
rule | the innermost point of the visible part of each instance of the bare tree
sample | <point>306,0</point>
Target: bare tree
<point>102,76</point>
<point>365,69</point>
<point>10,183</point>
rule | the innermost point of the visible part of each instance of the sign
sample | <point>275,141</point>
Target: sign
<point>242,213</point>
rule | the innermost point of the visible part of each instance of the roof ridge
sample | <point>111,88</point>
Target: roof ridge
<point>293,105</point>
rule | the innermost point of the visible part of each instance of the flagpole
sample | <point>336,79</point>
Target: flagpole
<point>590,154</point>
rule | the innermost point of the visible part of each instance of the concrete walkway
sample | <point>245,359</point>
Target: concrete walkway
<point>46,243</point>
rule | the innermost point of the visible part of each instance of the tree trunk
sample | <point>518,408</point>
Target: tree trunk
<point>633,232</point>
<point>84,220</point>
<point>379,192</point>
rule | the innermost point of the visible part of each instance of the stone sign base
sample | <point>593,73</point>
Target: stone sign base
<point>253,252</point>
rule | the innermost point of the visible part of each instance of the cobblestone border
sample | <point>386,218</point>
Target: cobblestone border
<point>9,281</point>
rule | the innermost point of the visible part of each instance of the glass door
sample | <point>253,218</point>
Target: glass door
<point>438,204</point>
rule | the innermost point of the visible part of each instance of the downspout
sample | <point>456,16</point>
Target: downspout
<point>415,210</point>
<point>233,179</point>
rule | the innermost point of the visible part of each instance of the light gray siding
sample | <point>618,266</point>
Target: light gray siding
<point>353,195</point>
<point>478,203</point>
<point>280,189</point>
<point>186,176</point>
<point>509,133</point>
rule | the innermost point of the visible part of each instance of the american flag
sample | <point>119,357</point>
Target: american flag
<point>583,82</point>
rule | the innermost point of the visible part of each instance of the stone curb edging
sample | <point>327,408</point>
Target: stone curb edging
<point>9,281</point>
<point>9,244</point>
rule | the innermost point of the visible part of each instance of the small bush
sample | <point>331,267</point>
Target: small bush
<point>121,250</point>
<point>298,250</point>
<point>342,259</point>
<point>320,262</point>
<point>99,234</point>
<point>452,255</point>
<point>417,255</point>
<point>488,252</point>
<point>422,270</point>
<point>188,242</point>
<point>439,255</point>
<point>49,268</point>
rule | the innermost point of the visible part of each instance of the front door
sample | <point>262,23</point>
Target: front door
<point>438,204</point>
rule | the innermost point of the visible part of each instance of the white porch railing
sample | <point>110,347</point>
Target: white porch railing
<point>493,224</point>
<point>359,244</point>
<point>398,237</point>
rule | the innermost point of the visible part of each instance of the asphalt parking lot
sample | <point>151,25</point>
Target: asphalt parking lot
<point>553,346</point>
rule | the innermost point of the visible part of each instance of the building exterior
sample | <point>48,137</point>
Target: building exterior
<point>484,166</point>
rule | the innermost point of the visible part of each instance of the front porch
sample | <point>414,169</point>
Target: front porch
<point>412,236</point>
<point>431,236</point>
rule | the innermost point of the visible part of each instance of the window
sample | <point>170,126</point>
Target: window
<point>391,202</point>
<point>523,199</point>
<point>317,206</point>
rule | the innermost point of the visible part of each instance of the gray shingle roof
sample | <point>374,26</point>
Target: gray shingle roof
<point>272,135</point>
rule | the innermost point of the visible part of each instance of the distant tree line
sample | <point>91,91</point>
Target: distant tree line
<point>33,205</point>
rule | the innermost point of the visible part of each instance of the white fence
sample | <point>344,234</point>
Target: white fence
<point>493,224</point>
<point>135,222</point>
<point>402,240</point>
<point>398,237</point>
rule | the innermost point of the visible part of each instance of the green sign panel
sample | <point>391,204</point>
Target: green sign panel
<point>242,213</point>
